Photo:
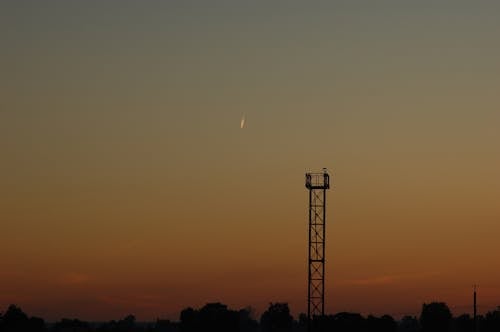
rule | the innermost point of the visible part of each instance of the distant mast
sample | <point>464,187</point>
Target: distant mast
<point>475,309</point>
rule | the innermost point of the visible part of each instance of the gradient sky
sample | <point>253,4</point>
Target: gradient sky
<point>127,185</point>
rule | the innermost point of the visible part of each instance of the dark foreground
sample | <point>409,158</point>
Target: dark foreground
<point>216,317</point>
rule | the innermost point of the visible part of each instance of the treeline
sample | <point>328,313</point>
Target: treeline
<point>434,317</point>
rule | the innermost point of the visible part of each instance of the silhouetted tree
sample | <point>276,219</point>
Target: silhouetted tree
<point>435,317</point>
<point>37,324</point>
<point>348,322</point>
<point>321,323</point>
<point>463,323</point>
<point>491,321</point>
<point>71,325</point>
<point>211,317</point>
<point>216,317</point>
<point>15,320</point>
<point>126,324</point>
<point>383,324</point>
<point>246,322</point>
<point>189,320</point>
<point>164,325</point>
<point>302,322</point>
<point>409,324</point>
<point>276,318</point>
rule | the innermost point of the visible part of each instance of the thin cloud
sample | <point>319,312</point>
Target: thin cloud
<point>388,279</point>
<point>75,278</point>
<point>380,280</point>
<point>143,301</point>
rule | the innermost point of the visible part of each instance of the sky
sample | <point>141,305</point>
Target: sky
<point>127,184</point>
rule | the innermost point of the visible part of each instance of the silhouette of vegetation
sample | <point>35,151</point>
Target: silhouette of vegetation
<point>491,322</point>
<point>353,322</point>
<point>15,319</point>
<point>164,325</point>
<point>463,323</point>
<point>71,325</point>
<point>126,324</point>
<point>215,317</point>
<point>276,318</point>
<point>435,316</point>
<point>409,324</point>
<point>383,324</point>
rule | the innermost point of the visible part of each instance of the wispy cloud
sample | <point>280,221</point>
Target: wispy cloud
<point>75,278</point>
<point>388,279</point>
<point>144,301</point>
<point>379,280</point>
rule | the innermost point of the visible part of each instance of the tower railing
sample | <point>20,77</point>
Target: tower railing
<point>318,180</point>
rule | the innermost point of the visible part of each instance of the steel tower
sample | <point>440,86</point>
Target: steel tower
<point>317,183</point>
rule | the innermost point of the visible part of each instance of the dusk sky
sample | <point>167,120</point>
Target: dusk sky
<point>128,186</point>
